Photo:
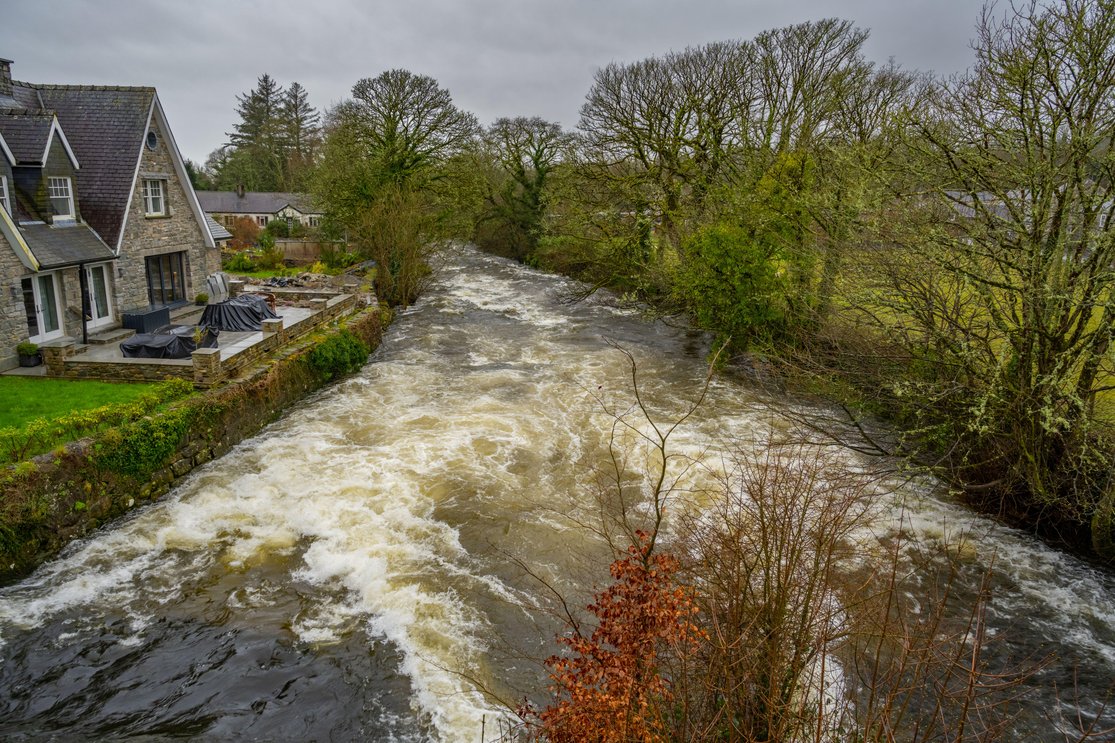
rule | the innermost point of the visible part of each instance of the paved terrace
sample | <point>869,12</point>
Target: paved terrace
<point>66,358</point>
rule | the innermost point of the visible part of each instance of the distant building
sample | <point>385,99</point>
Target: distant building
<point>97,214</point>
<point>262,206</point>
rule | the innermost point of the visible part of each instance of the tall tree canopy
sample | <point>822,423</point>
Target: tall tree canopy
<point>274,144</point>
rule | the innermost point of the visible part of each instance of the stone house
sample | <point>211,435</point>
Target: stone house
<point>262,206</point>
<point>97,214</point>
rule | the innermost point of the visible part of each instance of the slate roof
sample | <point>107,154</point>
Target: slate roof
<point>105,127</point>
<point>252,202</point>
<point>216,230</point>
<point>55,247</point>
<point>27,97</point>
<point>26,134</point>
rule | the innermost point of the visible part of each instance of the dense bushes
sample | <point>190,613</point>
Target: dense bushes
<point>339,354</point>
<point>731,285</point>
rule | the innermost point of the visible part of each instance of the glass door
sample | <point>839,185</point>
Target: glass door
<point>40,301</point>
<point>100,301</point>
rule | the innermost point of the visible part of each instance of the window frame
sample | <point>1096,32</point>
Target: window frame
<point>5,197</point>
<point>149,197</point>
<point>54,182</point>
<point>166,279</point>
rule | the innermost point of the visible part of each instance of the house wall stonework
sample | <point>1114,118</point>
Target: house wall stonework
<point>146,236</point>
<point>13,319</point>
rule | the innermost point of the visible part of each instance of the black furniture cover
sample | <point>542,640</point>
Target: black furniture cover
<point>246,312</point>
<point>175,343</point>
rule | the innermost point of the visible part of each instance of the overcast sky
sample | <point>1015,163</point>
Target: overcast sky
<point>496,57</point>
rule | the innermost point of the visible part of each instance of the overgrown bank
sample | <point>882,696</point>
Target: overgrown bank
<point>47,502</point>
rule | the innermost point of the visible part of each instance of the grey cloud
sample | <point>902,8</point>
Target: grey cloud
<point>497,57</point>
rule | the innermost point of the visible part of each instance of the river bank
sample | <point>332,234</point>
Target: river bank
<point>65,494</point>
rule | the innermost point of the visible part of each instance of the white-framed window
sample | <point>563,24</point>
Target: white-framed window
<point>61,197</point>
<point>262,221</point>
<point>314,221</point>
<point>154,197</point>
<point>4,200</point>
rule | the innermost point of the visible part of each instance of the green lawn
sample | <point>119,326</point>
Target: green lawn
<point>27,398</point>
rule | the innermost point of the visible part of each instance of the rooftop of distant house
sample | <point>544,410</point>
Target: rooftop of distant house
<point>254,202</point>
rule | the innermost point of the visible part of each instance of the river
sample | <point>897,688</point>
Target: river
<point>358,570</point>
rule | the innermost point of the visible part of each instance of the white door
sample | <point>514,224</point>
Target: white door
<point>100,298</point>
<point>41,301</point>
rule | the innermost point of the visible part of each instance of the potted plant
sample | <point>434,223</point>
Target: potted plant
<point>28,354</point>
<point>201,299</point>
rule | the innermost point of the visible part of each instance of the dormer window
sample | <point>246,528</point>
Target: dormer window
<point>61,198</point>
<point>4,200</point>
<point>154,197</point>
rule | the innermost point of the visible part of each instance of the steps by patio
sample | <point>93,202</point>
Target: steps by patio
<point>112,335</point>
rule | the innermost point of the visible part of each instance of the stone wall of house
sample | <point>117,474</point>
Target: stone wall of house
<point>13,317</point>
<point>176,232</point>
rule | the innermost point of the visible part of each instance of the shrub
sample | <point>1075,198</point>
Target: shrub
<point>240,263</point>
<point>339,354</point>
<point>245,233</point>
<point>141,447</point>
<point>275,228</point>
<point>732,285</point>
<point>27,348</point>
<point>337,259</point>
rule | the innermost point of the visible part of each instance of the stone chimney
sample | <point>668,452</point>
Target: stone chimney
<point>240,190</point>
<point>5,78</point>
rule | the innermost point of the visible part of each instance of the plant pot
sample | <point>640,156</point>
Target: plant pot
<point>33,360</point>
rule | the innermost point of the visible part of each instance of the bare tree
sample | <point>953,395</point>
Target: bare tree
<point>405,122</point>
<point>524,151</point>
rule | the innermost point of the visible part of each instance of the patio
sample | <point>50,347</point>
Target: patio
<point>66,358</point>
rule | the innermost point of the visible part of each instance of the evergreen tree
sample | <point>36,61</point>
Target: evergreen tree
<point>260,136</point>
<point>301,124</point>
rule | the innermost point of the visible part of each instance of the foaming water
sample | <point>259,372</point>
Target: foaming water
<point>358,569</point>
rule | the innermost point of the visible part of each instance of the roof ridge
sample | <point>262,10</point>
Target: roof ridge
<point>53,86</point>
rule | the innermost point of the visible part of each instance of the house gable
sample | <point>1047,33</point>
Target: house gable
<point>175,230</point>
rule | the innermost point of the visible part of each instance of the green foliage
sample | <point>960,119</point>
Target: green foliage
<point>339,354</point>
<point>270,257</point>
<point>731,284</point>
<point>273,144</point>
<point>27,348</point>
<point>139,448</point>
<point>336,258</point>
<point>240,263</point>
<point>201,298</point>
<point>276,228</point>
